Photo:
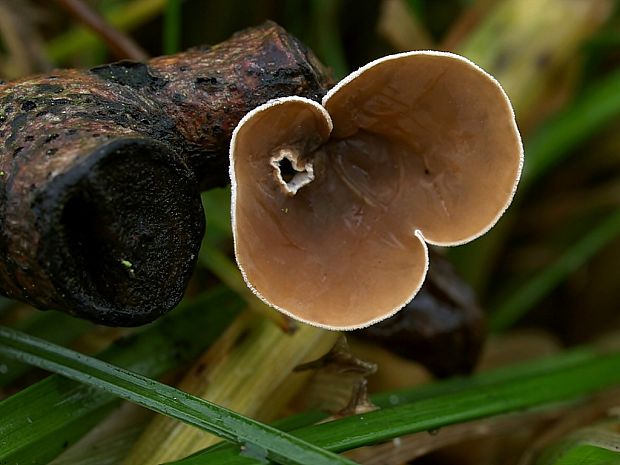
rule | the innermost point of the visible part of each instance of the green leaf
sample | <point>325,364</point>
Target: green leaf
<point>584,454</point>
<point>596,443</point>
<point>55,327</point>
<point>547,148</point>
<point>328,41</point>
<point>172,27</point>
<point>557,379</point>
<point>256,439</point>
<point>516,305</point>
<point>40,421</point>
<point>123,17</point>
<point>216,203</point>
<point>556,139</point>
<point>409,395</point>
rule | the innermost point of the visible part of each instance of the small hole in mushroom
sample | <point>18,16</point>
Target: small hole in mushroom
<point>291,172</point>
<point>286,170</point>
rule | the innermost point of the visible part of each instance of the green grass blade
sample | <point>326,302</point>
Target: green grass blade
<point>38,421</point>
<point>587,455</point>
<point>216,203</point>
<point>595,108</point>
<point>44,450</point>
<point>523,299</point>
<point>547,148</point>
<point>465,405</point>
<point>266,441</point>
<point>124,17</point>
<point>595,443</point>
<point>572,380</point>
<point>328,41</point>
<point>409,395</point>
<point>53,326</point>
<point>172,27</point>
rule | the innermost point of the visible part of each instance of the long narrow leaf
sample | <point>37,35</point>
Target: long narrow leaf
<point>410,395</point>
<point>53,326</point>
<point>405,396</point>
<point>328,41</point>
<point>523,299</point>
<point>597,443</point>
<point>585,454</point>
<point>594,109</point>
<point>39,422</point>
<point>164,399</point>
<point>573,379</point>
<point>172,27</point>
<point>124,17</point>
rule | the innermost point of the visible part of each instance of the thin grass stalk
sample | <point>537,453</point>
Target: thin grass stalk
<point>120,44</point>
<point>125,17</point>
<point>56,327</point>
<point>240,372</point>
<point>172,27</point>
<point>32,432</point>
<point>594,109</point>
<point>328,41</point>
<point>523,43</point>
<point>514,307</point>
<point>262,440</point>
<point>541,388</point>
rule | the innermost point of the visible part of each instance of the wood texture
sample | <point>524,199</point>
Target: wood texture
<point>100,170</point>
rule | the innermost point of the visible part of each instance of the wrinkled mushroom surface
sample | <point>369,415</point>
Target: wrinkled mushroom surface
<point>333,204</point>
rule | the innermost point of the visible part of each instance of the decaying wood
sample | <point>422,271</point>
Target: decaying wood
<point>100,170</point>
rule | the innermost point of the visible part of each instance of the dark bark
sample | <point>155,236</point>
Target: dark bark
<point>100,170</point>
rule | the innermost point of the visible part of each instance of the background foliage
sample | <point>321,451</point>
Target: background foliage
<point>546,275</point>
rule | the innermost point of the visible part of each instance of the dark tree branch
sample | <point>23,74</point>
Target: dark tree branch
<point>100,214</point>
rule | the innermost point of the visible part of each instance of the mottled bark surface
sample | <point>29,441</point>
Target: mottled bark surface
<point>442,328</point>
<point>100,170</point>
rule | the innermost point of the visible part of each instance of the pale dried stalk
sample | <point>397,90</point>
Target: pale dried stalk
<point>524,42</point>
<point>401,28</point>
<point>20,37</point>
<point>241,372</point>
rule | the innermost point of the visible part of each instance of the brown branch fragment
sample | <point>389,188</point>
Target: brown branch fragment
<point>121,45</point>
<point>100,170</point>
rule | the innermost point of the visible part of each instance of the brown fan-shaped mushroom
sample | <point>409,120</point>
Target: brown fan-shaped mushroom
<point>333,204</point>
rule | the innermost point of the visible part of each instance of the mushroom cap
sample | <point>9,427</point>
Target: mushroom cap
<point>332,204</point>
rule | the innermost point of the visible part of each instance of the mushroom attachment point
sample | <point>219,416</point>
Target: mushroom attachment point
<point>333,204</point>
